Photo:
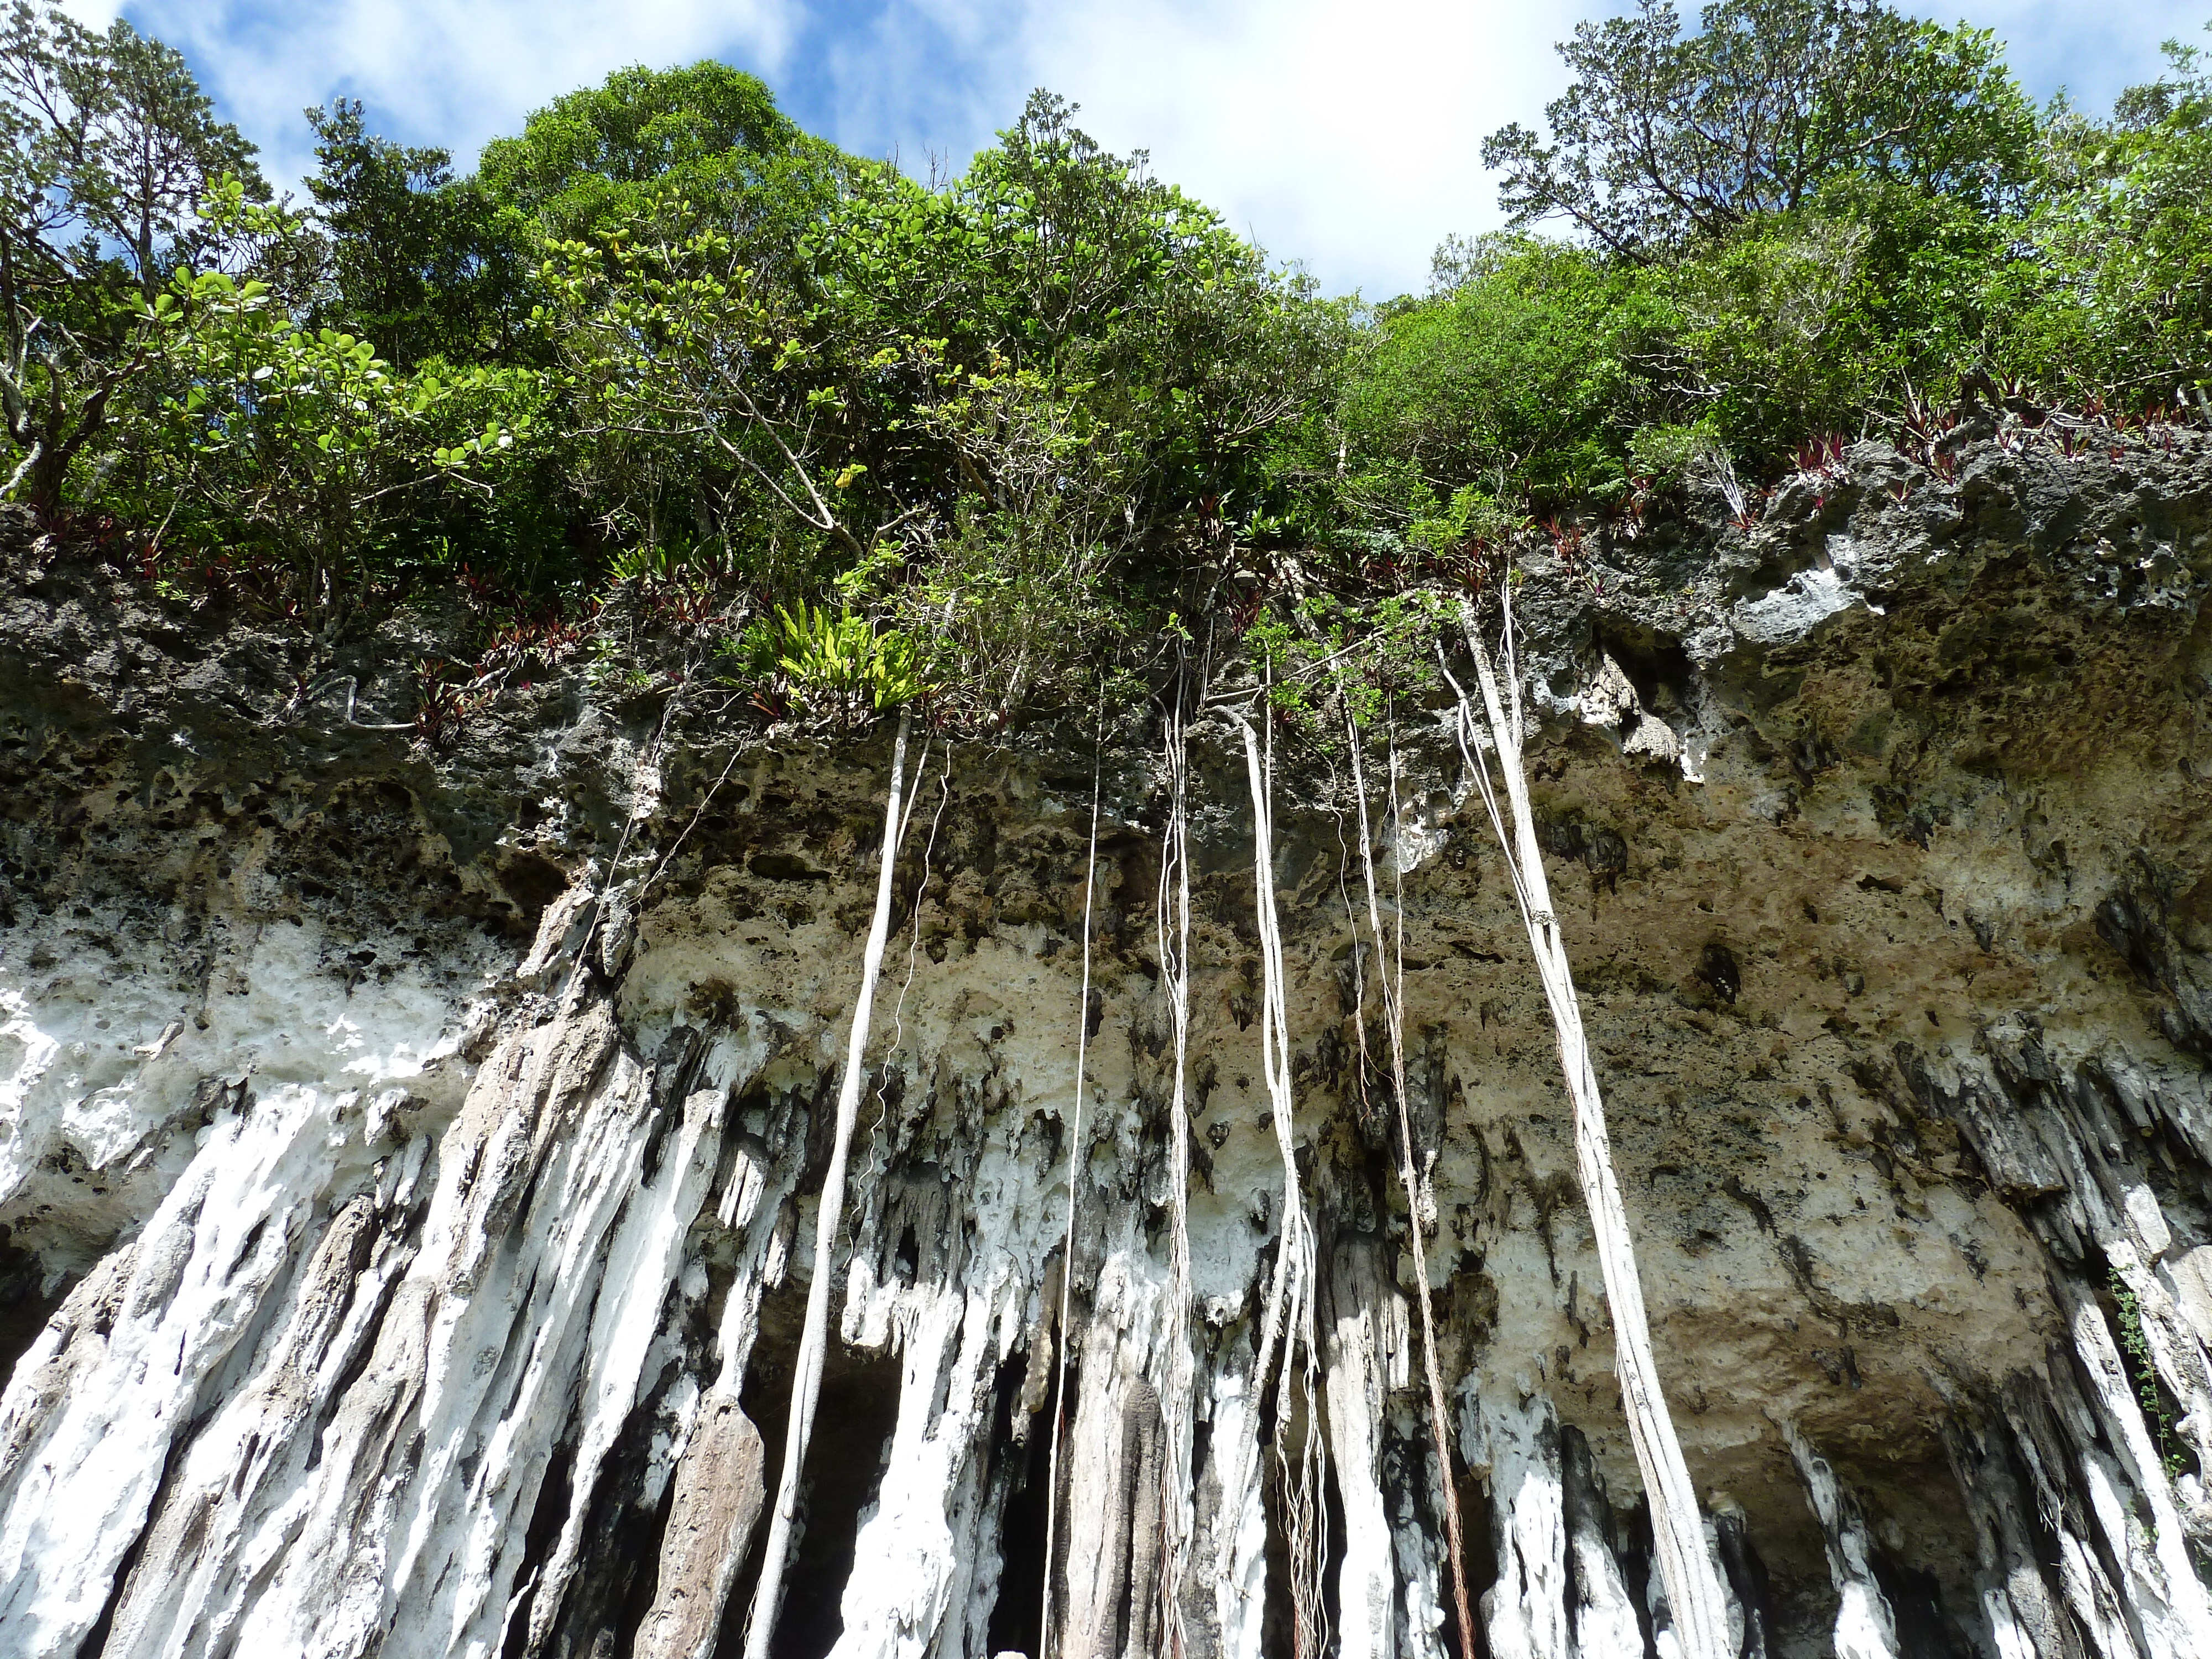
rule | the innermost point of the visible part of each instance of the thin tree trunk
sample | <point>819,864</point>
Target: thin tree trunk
<point>806,1379</point>
<point>1686,1565</point>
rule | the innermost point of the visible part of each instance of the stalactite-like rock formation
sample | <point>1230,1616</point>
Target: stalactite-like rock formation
<point>406,1254</point>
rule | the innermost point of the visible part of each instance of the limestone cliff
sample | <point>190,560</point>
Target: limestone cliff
<point>407,1149</point>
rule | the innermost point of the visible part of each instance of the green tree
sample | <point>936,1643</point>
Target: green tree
<point>705,137</point>
<point>1519,376</point>
<point>301,443</point>
<point>978,407</point>
<point>2111,300</point>
<point>107,146</point>
<point>1663,138</point>
<point>708,402</point>
<point>1054,259</point>
<point>421,262</point>
<point>1772,339</point>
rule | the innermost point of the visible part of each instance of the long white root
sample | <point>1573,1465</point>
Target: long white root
<point>1178,1384</point>
<point>807,1379</point>
<point>1393,1018</point>
<point>1686,1565</point>
<point>1289,1316</point>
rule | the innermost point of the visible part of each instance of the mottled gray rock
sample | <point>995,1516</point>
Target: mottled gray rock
<point>389,1280</point>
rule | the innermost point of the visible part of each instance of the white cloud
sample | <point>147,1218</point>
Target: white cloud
<point>434,70</point>
<point>1350,135</point>
<point>2093,48</point>
<point>1347,135</point>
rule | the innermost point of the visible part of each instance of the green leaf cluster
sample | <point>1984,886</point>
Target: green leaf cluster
<point>840,663</point>
<point>1047,418</point>
<point>1806,217</point>
<point>301,441</point>
<point>108,151</point>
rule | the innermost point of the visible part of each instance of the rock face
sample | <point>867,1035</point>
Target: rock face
<point>407,1154</point>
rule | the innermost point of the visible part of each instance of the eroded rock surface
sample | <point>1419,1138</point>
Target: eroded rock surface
<point>407,1155</point>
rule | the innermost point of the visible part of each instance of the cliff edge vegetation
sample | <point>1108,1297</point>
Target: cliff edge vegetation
<point>976,441</point>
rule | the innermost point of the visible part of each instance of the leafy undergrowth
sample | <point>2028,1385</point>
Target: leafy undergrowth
<point>841,440</point>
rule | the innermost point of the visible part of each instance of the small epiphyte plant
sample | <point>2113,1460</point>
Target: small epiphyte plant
<point>2136,1347</point>
<point>840,662</point>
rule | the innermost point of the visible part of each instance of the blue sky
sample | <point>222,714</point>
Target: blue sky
<point>1345,136</point>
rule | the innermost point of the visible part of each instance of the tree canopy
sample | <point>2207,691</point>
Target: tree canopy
<point>996,432</point>
<point>108,151</point>
<point>423,263</point>
<point>1665,137</point>
<point>706,135</point>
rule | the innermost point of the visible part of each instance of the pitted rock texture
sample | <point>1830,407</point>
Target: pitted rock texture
<point>407,1155</point>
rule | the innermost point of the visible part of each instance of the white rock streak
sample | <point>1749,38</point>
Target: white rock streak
<point>933,1523</point>
<point>1526,1610</point>
<point>1370,1341</point>
<point>1865,1627</point>
<point>88,1424</point>
<point>368,1338</point>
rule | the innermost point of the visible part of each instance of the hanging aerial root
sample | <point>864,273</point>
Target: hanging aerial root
<point>877,1154</point>
<point>806,1378</point>
<point>648,758</point>
<point>1176,1508</point>
<point>1393,1019</point>
<point>1289,1316</point>
<point>1693,1588</point>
